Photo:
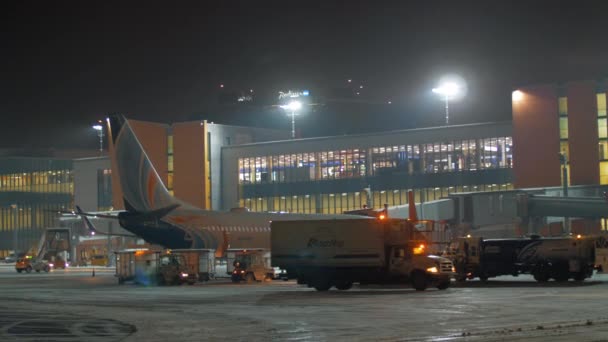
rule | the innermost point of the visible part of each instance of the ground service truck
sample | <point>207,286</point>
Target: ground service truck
<point>545,258</point>
<point>338,253</point>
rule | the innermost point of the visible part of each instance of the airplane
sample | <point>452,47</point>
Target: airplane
<point>156,216</point>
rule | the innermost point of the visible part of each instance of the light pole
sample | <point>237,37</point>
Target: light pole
<point>292,108</point>
<point>447,90</point>
<point>99,129</point>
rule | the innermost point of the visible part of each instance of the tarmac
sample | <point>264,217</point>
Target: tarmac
<point>72,305</point>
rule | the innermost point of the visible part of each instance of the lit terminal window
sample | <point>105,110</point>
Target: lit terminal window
<point>169,144</point>
<point>563,128</point>
<point>601,104</point>
<point>563,106</point>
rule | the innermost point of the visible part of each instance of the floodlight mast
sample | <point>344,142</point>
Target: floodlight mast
<point>99,129</point>
<point>447,90</point>
<point>292,107</point>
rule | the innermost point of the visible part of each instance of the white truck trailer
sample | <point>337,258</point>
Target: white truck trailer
<point>326,253</point>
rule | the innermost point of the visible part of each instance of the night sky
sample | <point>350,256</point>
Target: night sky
<point>65,65</point>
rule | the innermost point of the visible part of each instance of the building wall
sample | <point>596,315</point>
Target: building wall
<point>224,135</point>
<point>189,164</point>
<point>86,181</point>
<point>388,184</point>
<point>536,138</point>
<point>31,191</point>
<point>582,133</point>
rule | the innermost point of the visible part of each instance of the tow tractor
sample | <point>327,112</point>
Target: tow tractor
<point>250,265</point>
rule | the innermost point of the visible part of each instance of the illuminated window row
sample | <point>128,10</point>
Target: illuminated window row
<point>337,203</point>
<point>451,156</point>
<point>52,181</point>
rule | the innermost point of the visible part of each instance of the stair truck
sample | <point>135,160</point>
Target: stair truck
<point>339,252</point>
<point>559,258</point>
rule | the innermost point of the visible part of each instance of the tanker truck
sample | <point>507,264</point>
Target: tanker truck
<point>337,253</point>
<point>559,258</point>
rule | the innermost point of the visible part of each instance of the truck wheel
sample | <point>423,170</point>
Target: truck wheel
<point>121,280</point>
<point>461,278</point>
<point>235,278</point>
<point>541,277</point>
<point>580,276</point>
<point>483,278</point>
<point>443,285</point>
<point>322,285</point>
<point>37,271</point>
<point>249,278</point>
<point>19,270</point>
<point>419,281</point>
<point>28,269</point>
<point>344,285</point>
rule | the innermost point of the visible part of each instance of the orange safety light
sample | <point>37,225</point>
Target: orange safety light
<point>382,217</point>
<point>579,236</point>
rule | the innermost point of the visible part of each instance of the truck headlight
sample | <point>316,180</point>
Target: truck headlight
<point>432,269</point>
<point>184,275</point>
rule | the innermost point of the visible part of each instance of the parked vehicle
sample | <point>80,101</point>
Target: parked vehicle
<point>29,264</point>
<point>249,265</point>
<point>338,253</point>
<point>150,267</point>
<point>11,258</point>
<point>545,258</point>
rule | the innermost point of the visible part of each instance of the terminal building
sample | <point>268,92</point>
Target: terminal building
<point>212,166</point>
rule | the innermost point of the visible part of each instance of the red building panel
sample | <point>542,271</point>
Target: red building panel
<point>189,141</point>
<point>536,137</point>
<point>582,133</point>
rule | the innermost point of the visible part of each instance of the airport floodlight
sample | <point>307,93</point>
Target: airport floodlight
<point>450,88</point>
<point>517,95</point>
<point>447,90</point>
<point>292,107</point>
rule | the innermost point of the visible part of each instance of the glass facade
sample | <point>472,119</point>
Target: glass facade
<point>334,181</point>
<point>602,133</point>
<point>31,191</point>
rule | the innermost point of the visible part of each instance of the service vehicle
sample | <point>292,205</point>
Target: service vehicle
<point>200,262</point>
<point>338,253</point>
<point>249,265</point>
<point>601,253</point>
<point>559,258</point>
<point>28,264</point>
<point>152,267</point>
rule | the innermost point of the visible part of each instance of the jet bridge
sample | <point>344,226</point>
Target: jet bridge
<point>543,206</point>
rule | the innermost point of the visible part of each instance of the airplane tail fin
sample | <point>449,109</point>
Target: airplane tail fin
<point>142,188</point>
<point>412,213</point>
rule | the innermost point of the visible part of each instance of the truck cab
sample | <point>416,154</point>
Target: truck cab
<point>413,263</point>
